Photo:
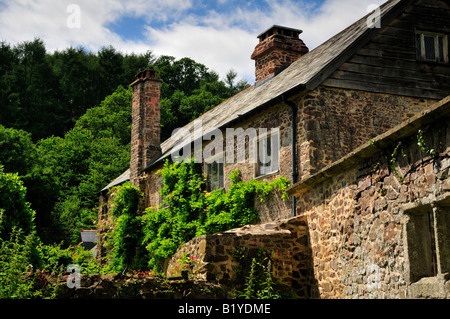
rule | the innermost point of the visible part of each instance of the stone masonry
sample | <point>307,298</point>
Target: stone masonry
<point>146,128</point>
<point>285,240</point>
<point>379,219</point>
<point>277,47</point>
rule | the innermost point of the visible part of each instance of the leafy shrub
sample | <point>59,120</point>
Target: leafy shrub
<point>191,211</point>
<point>16,211</point>
<point>125,240</point>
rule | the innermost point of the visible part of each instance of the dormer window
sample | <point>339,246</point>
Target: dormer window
<point>432,46</point>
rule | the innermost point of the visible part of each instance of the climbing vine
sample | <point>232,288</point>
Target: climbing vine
<point>391,157</point>
<point>192,211</point>
<point>125,239</point>
<point>423,147</point>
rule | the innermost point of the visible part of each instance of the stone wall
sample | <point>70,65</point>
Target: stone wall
<point>138,287</point>
<point>365,215</point>
<point>153,186</point>
<point>286,241</point>
<point>333,122</point>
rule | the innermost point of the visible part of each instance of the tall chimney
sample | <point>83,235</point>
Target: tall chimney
<point>145,127</point>
<point>277,48</point>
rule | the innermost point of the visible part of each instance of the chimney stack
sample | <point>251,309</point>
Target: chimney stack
<point>277,48</point>
<point>146,118</point>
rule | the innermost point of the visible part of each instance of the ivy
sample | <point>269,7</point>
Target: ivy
<point>423,147</point>
<point>125,239</point>
<point>192,211</point>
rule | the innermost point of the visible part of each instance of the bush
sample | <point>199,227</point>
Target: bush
<point>192,211</point>
<point>125,240</point>
<point>16,211</point>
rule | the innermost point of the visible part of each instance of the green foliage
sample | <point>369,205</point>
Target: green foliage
<point>259,284</point>
<point>186,266</point>
<point>393,161</point>
<point>90,155</point>
<point>125,240</point>
<point>53,257</point>
<point>192,211</point>
<point>16,211</point>
<point>235,208</point>
<point>15,254</point>
<point>85,259</point>
<point>82,139</point>
<point>190,89</point>
<point>422,145</point>
<point>45,93</point>
<point>17,151</point>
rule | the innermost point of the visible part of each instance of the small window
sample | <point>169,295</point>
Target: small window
<point>268,153</point>
<point>428,242</point>
<point>432,46</point>
<point>215,173</point>
<point>162,198</point>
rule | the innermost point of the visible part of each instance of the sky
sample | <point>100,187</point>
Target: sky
<point>220,34</point>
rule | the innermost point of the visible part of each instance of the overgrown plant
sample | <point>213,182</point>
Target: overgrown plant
<point>187,264</point>
<point>125,240</point>
<point>393,165</point>
<point>422,145</point>
<point>259,283</point>
<point>192,211</point>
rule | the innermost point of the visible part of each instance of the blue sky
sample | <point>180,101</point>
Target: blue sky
<point>220,34</point>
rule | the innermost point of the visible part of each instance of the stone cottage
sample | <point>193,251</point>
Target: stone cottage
<point>314,111</point>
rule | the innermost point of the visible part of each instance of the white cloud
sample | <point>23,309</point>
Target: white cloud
<point>228,39</point>
<point>219,49</point>
<point>24,20</point>
<point>220,40</point>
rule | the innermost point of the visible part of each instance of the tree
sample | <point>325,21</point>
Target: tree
<point>17,151</point>
<point>89,156</point>
<point>15,211</point>
<point>35,86</point>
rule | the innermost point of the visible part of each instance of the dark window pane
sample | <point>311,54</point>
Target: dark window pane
<point>430,53</point>
<point>441,49</point>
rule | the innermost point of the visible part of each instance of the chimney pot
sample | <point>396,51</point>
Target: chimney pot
<point>278,47</point>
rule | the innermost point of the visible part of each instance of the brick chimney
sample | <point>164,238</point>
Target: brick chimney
<point>145,127</point>
<point>277,48</point>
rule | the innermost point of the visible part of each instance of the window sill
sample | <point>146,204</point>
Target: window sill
<point>217,189</point>
<point>431,287</point>
<point>432,62</point>
<point>268,174</point>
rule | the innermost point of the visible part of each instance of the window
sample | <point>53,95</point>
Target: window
<point>432,46</point>
<point>162,202</point>
<point>215,172</point>
<point>268,147</point>
<point>428,233</point>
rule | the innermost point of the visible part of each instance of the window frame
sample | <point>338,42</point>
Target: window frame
<point>421,55</point>
<point>268,135</point>
<point>161,203</point>
<point>426,230</point>
<point>220,183</point>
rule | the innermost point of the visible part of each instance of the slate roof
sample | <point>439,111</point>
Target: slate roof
<point>125,176</point>
<point>304,74</point>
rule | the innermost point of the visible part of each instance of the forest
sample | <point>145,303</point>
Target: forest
<point>65,121</point>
